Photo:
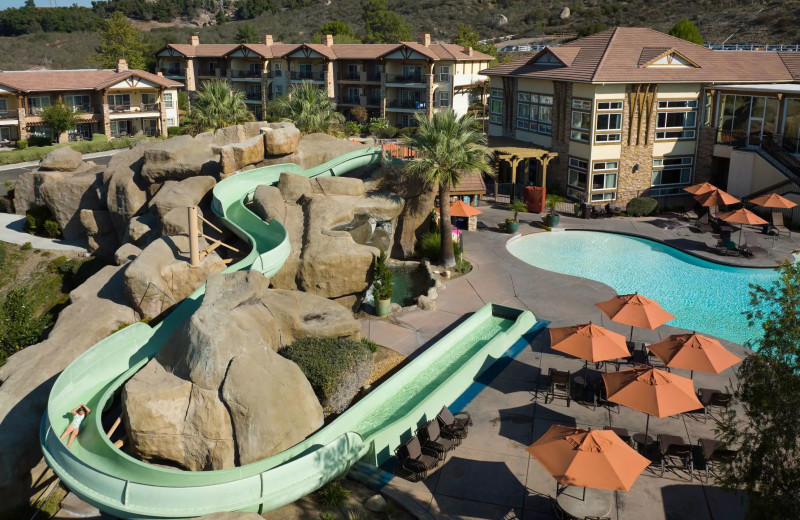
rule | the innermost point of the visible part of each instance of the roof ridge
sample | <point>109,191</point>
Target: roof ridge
<point>605,53</point>
<point>675,37</point>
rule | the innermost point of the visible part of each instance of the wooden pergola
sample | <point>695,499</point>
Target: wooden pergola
<point>509,150</point>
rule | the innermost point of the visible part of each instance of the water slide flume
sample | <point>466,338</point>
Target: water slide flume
<point>117,483</point>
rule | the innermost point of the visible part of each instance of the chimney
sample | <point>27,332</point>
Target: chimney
<point>194,40</point>
<point>329,40</point>
<point>122,65</point>
<point>426,39</point>
<point>468,50</point>
<point>268,40</point>
<point>160,74</point>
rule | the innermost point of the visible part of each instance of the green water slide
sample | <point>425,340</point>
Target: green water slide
<point>117,483</point>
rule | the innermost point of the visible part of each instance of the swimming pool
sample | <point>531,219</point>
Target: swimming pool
<point>704,296</point>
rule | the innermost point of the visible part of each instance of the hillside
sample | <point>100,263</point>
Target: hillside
<point>742,21</point>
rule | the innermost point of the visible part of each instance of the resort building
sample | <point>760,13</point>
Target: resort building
<point>633,112</point>
<point>114,102</point>
<point>393,81</point>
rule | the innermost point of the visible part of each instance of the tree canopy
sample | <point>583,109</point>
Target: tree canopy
<point>309,108</point>
<point>765,429</point>
<point>217,106</point>
<point>686,30</point>
<point>341,32</point>
<point>59,117</point>
<point>246,34</point>
<point>120,40</point>
<point>467,37</point>
<point>382,25</point>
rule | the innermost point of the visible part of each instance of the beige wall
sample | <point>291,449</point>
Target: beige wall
<point>749,172</point>
<point>11,101</point>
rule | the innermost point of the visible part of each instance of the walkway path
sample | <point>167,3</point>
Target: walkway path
<point>490,475</point>
<point>12,231</point>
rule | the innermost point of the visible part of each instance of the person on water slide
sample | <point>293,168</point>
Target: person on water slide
<point>78,415</point>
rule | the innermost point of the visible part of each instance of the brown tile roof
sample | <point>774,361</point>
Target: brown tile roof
<point>362,51</point>
<point>269,51</point>
<point>565,54</point>
<point>792,62</point>
<point>204,50</point>
<point>615,55</point>
<point>651,53</point>
<point>471,182</point>
<point>86,79</point>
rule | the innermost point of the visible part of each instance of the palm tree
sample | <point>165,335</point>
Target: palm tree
<point>446,146</point>
<point>217,106</point>
<point>309,108</point>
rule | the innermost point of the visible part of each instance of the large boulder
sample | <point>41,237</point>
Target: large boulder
<point>281,138</point>
<point>313,150</point>
<point>66,198</point>
<point>125,188</point>
<point>161,276</point>
<point>414,220</point>
<point>142,230</point>
<point>63,159</point>
<point>219,377</point>
<point>180,158</point>
<point>96,308</point>
<point>174,194</point>
<point>235,156</point>
<point>28,189</point>
<point>176,221</point>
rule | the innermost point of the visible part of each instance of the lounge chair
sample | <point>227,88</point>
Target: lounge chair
<point>710,397</point>
<point>433,437</point>
<point>670,452</point>
<point>455,424</point>
<point>601,397</point>
<point>637,355</point>
<point>728,248</point>
<point>778,225</point>
<point>414,461</point>
<point>714,452</point>
<point>558,385</point>
<point>703,223</point>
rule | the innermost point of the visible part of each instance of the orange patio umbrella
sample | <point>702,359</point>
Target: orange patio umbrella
<point>597,459</point>
<point>699,189</point>
<point>773,200</point>
<point>635,310</point>
<point>589,342</point>
<point>715,197</point>
<point>694,352</point>
<point>651,391</point>
<point>742,216</point>
<point>460,208</point>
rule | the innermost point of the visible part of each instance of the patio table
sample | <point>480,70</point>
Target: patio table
<point>667,440</point>
<point>581,502</point>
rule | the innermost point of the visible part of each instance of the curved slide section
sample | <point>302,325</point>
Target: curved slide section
<point>119,484</point>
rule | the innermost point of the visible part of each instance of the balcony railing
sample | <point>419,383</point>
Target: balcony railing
<point>407,78</point>
<point>214,73</point>
<point>352,100</point>
<point>253,95</point>
<point>304,75</point>
<point>35,111</point>
<point>407,104</point>
<point>232,73</point>
<point>374,101</point>
<point>172,71</point>
<point>353,76</point>
<point>142,107</point>
<point>9,114</point>
<point>275,74</point>
<point>374,76</point>
<point>82,108</point>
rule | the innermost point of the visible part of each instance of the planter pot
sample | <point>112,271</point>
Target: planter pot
<point>512,226</point>
<point>576,209</point>
<point>382,306</point>
<point>551,220</point>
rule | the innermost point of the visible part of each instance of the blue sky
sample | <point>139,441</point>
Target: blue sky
<point>61,3</point>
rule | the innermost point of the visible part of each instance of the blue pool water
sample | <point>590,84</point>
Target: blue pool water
<point>704,296</point>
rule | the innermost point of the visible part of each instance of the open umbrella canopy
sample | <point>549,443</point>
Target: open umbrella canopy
<point>773,200</point>
<point>635,310</point>
<point>715,197</point>
<point>743,216</point>
<point>589,458</point>
<point>460,208</point>
<point>699,189</point>
<point>590,342</point>
<point>694,352</point>
<point>651,391</point>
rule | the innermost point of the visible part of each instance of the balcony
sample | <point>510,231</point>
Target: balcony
<point>175,72</point>
<point>275,74</point>
<point>351,100</point>
<point>127,109</point>
<point>8,114</point>
<point>407,78</point>
<point>244,74</point>
<point>374,101</point>
<point>211,73</point>
<point>253,96</point>
<point>351,76</point>
<point>307,76</point>
<point>407,104</point>
<point>82,109</point>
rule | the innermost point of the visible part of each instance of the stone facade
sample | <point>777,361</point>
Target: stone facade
<point>637,144</point>
<point>705,154</point>
<point>562,112</point>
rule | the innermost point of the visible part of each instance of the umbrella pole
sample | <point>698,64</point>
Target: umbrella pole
<point>646,429</point>
<point>631,333</point>
<point>691,374</point>
<point>741,232</point>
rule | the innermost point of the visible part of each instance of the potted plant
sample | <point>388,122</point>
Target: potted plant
<point>512,225</point>
<point>382,285</point>
<point>552,218</point>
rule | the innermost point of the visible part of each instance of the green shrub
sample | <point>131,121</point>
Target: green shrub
<point>56,265</point>
<point>407,131</point>
<point>336,368</point>
<point>22,144</point>
<point>52,229</point>
<point>382,287</point>
<point>334,495</point>
<point>173,131</point>
<point>39,141</point>
<point>27,246</point>
<point>463,266</point>
<point>99,138</point>
<point>6,205</point>
<point>352,128</point>
<point>19,325</point>
<point>386,133</point>
<point>371,345</point>
<point>35,220</point>
<point>641,206</point>
<point>430,244</point>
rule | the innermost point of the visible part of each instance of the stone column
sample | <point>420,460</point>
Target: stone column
<point>384,93</point>
<point>430,92</point>
<point>330,83</point>
<point>22,117</point>
<point>106,116</point>
<point>190,81</point>
<point>162,131</point>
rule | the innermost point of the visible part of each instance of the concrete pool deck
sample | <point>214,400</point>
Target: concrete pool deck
<point>490,475</point>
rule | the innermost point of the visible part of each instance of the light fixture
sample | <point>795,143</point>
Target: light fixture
<point>635,167</point>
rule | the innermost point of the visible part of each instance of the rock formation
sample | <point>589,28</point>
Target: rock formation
<point>415,218</point>
<point>216,394</point>
<point>313,150</point>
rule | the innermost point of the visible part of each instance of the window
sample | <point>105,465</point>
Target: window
<point>496,106</point>
<point>41,131</point>
<point>534,112</point>
<point>412,73</point>
<point>212,68</point>
<point>170,122</point>
<point>278,90</point>
<point>444,73</point>
<point>150,127</point>
<point>444,99</point>
<point>254,69</point>
<point>149,102</point>
<point>79,103</point>
<point>604,176</point>
<point>676,123</point>
<point>253,92</point>
<point>276,68</point>
<point>581,120</point>
<point>5,133</point>
<point>576,176</point>
<point>3,104</point>
<point>672,170</point>
<point>168,99</point>
<point>119,128</point>
<point>604,196</point>
<point>37,104</point>
<point>119,101</point>
<point>306,70</point>
<point>608,124</point>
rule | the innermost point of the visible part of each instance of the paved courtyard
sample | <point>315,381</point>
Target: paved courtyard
<point>491,475</point>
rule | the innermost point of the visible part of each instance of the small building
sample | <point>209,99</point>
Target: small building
<point>114,102</point>
<point>470,188</point>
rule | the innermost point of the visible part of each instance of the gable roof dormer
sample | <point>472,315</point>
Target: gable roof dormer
<point>664,57</point>
<point>555,56</point>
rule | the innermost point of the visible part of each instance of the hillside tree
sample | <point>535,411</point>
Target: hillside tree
<point>246,34</point>
<point>120,40</point>
<point>383,25</point>
<point>686,30</point>
<point>466,36</point>
<point>765,427</point>
<point>60,118</point>
<point>341,32</point>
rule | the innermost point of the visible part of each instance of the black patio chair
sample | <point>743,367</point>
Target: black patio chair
<point>601,397</point>
<point>558,385</point>
<point>414,461</point>
<point>455,424</point>
<point>434,438</point>
<point>670,452</point>
<point>714,452</point>
<point>637,356</point>
<point>709,398</point>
